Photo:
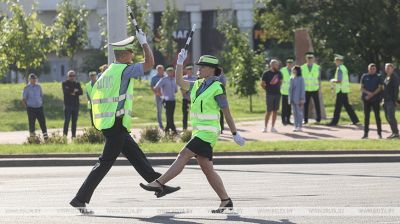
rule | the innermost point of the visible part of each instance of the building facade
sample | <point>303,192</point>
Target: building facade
<point>203,13</point>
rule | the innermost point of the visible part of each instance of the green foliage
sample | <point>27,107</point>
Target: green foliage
<point>24,41</point>
<point>90,135</point>
<point>70,28</point>
<point>150,134</point>
<point>364,31</point>
<point>238,59</point>
<point>93,61</point>
<point>169,22</point>
<point>186,136</point>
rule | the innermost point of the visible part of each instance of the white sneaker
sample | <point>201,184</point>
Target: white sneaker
<point>264,130</point>
<point>299,129</point>
<point>295,130</point>
<point>273,130</point>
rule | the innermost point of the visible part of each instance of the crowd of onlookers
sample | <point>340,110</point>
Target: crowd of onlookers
<point>294,86</point>
<point>291,87</point>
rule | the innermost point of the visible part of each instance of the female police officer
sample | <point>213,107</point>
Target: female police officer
<point>207,98</point>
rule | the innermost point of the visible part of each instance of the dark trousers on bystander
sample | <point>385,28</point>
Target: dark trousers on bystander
<point>70,114</point>
<point>374,105</point>
<point>33,114</point>
<point>169,112</point>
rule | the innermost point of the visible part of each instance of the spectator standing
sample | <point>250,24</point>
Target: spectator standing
<point>157,94</point>
<point>271,82</point>
<point>168,89</point>
<point>390,96</point>
<point>371,89</point>
<point>72,90</point>
<point>297,97</point>
<point>32,100</point>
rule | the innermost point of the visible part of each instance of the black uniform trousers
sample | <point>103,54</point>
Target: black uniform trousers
<point>343,100</point>
<point>169,114</point>
<point>117,140</point>
<point>374,105</point>
<point>286,110</point>
<point>185,111</point>
<point>221,120</point>
<point>33,114</point>
<point>91,117</point>
<point>314,96</point>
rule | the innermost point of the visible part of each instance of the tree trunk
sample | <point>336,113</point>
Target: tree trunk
<point>251,104</point>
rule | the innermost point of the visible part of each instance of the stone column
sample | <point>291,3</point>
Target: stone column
<point>116,24</point>
<point>244,13</point>
<point>195,18</point>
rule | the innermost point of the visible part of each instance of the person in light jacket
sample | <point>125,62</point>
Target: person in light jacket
<point>297,97</point>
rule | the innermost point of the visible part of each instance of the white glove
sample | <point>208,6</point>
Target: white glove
<point>141,37</point>
<point>181,57</point>
<point>238,139</point>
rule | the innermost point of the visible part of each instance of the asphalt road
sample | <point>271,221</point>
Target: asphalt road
<point>292,193</point>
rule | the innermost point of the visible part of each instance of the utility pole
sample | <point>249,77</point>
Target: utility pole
<point>116,24</point>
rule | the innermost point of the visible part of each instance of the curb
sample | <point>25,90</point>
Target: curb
<point>219,158</point>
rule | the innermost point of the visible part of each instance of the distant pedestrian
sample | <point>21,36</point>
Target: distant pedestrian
<point>311,73</point>
<point>297,97</point>
<point>157,94</point>
<point>32,99</point>
<point>72,90</point>
<point>186,95</point>
<point>342,90</point>
<point>168,89</point>
<point>286,74</point>
<point>390,96</point>
<point>271,82</point>
<point>89,87</point>
<point>371,89</point>
<point>222,79</point>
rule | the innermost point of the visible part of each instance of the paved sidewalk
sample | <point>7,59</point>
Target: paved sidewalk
<point>251,130</point>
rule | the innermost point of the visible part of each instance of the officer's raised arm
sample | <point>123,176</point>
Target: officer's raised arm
<point>148,54</point>
<point>184,84</point>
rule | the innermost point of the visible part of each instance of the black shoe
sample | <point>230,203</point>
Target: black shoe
<point>289,123</point>
<point>284,123</point>
<point>81,206</point>
<point>160,191</point>
<point>228,206</point>
<point>331,124</point>
<point>365,137</point>
<point>393,136</point>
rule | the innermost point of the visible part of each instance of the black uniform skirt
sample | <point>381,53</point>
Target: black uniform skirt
<point>200,147</point>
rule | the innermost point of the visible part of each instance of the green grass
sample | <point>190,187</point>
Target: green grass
<point>14,118</point>
<point>310,145</point>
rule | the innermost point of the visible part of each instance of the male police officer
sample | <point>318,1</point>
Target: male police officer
<point>286,74</point>
<point>112,108</point>
<point>342,90</point>
<point>89,87</point>
<point>311,74</point>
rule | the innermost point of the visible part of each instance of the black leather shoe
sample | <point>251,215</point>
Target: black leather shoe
<point>81,206</point>
<point>228,206</point>
<point>160,191</point>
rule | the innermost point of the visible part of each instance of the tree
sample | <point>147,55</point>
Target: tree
<point>24,42</point>
<point>141,11</point>
<point>70,29</point>
<point>169,22</point>
<point>364,31</point>
<point>240,60</point>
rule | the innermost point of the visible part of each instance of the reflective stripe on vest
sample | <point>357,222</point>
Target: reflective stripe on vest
<point>311,80</point>
<point>113,99</point>
<point>112,114</point>
<point>204,116</point>
<point>206,128</point>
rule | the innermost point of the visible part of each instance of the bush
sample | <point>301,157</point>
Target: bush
<point>56,138</point>
<point>169,137</point>
<point>90,135</point>
<point>150,134</point>
<point>34,139</point>
<point>186,136</point>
